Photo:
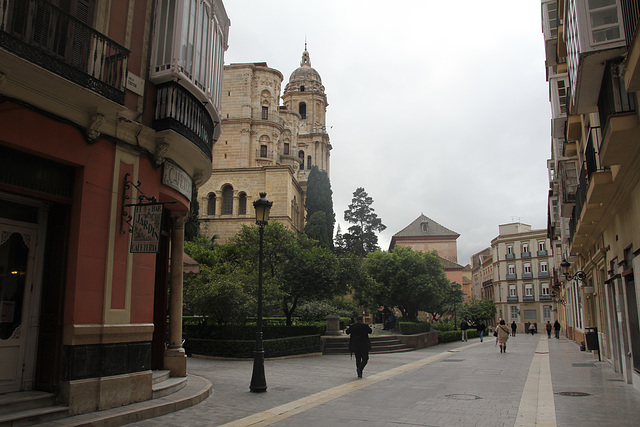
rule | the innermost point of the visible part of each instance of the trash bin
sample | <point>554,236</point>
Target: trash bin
<point>591,336</point>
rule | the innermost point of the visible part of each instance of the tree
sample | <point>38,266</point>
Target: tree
<point>477,310</point>
<point>319,206</point>
<point>452,301</point>
<point>361,238</point>
<point>296,268</point>
<point>410,280</point>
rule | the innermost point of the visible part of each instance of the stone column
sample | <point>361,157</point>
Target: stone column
<point>333,325</point>
<point>175,358</point>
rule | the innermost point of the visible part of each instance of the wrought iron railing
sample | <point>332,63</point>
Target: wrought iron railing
<point>590,152</point>
<point>613,98</point>
<point>630,17</point>
<point>46,35</point>
<point>581,194</point>
<point>177,109</point>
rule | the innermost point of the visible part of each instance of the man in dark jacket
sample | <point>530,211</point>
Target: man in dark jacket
<point>359,343</point>
<point>463,327</point>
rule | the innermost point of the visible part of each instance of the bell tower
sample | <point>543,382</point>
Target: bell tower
<point>304,94</point>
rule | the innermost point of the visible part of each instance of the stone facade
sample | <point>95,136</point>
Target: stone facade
<point>265,147</point>
<point>522,266</point>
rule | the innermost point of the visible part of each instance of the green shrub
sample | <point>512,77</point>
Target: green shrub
<point>411,328</point>
<point>450,336</point>
<point>248,332</point>
<point>245,348</point>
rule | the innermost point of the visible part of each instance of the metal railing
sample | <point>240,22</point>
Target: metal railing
<point>46,35</point>
<point>177,109</point>
<point>630,17</point>
<point>614,98</point>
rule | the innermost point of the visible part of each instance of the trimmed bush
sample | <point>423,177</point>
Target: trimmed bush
<point>411,328</point>
<point>248,332</point>
<point>450,336</point>
<point>245,348</point>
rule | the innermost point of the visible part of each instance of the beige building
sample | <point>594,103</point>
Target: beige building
<point>593,68</point>
<point>522,265</point>
<point>265,146</point>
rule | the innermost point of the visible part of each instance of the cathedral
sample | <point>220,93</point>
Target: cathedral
<point>265,147</point>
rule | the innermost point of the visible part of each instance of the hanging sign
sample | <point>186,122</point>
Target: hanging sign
<point>147,227</point>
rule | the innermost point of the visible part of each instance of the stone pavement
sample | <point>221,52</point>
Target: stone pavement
<point>536,382</point>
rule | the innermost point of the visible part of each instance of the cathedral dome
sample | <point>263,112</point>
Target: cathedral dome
<point>305,76</point>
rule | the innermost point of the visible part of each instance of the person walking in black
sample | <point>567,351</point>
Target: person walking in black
<point>359,343</point>
<point>556,328</point>
<point>514,328</point>
<point>481,327</point>
<point>463,327</point>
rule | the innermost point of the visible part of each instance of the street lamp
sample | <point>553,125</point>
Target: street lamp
<point>258,381</point>
<point>565,265</point>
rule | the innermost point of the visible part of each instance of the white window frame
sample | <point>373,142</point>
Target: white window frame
<point>509,249</point>
<point>513,292</point>
<point>527,267</point>
<point>528,290</point>
<point>544,288</point>
<point>606,26</point>
<point>514,312</point>
<point>544,267</point>
<point>512,269</point>
<point>542,245</point>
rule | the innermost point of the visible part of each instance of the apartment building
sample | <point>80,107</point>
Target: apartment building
<point>592,53</point>
<point>522,264</point>
<point>109,111</point>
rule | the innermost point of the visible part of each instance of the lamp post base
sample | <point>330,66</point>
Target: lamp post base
<point>258,380</point>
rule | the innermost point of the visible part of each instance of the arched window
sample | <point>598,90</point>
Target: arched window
<point>211,204</point>
<point>242,204</point>
<point>302,88</point>
<point>227,200</point>
<point>308,162</point>
<point>302,109</point>
<point>301,157</point>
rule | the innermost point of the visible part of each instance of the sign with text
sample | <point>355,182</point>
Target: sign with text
<point>177,179</point>
<point>147,227</point>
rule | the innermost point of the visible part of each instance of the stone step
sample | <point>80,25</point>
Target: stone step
<point>29,408</point>
<point>168,386</point>
<point>160,375</point>
<point>379,345</point>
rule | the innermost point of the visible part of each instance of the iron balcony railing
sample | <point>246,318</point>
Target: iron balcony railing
<point>630,17</point>
<point>177,109</point>
<point>613,98</point>
<point>46,35</point>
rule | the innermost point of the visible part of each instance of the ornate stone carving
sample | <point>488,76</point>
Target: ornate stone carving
<point>95,122</point>
<point>160,153</point>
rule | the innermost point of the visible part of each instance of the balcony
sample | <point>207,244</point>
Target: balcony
<point>630,18</point>
<point>527,275</point>
<point>45,35</point>
<point>510,256</point>
<point>528,298</point>
<point>178,110</point>
<point>526,254</point>
<point>511,276</point>
<point>545,297</point>
<point>543,253</point>
<point>512,299</point>
<point>542,274</point>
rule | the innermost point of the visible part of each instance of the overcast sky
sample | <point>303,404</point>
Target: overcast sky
<point>438,108</point>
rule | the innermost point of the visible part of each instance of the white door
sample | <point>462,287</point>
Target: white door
<point>17,262</point>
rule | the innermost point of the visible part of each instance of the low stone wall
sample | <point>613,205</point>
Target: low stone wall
<point>425,339</point>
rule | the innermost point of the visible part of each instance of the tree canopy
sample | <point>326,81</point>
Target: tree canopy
<point>410,280</point>
<point>319,206</point>
<point>476,310</point>
<point>361,237</point>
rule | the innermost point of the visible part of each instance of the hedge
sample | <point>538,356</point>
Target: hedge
<point>248,332</point>
<point>411,328</point>
<point>450,336</point>
<point>245,348</point>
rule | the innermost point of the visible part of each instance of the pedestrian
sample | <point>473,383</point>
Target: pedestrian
<point>480,328</point>
<point>548,327</point>
<point>503,336</point>
<point>514,328</point>
<point>532,329</point>
<point>359,343</point>
<point>556,327</point>
<point>463,327</point>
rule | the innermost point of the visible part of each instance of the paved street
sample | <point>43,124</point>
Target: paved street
<point>455,384</point>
